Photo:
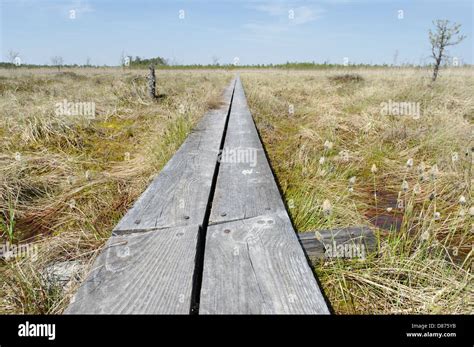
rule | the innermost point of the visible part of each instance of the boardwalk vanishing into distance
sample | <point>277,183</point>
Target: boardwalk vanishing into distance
<point>210,235</point>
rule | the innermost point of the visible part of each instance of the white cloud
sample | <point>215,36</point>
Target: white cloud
<point>281,18</point>
<point>301,14</point>
<point>79,7</point>
<point>305,14</point>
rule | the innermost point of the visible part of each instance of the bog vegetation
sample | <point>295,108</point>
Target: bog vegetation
<point>381,147</point>
<point>347,151</point>
<point>66,178</point>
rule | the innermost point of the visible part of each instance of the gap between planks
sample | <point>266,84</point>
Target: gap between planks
<point>253,262</point>
<point>185,267</point>
<point>145,271</point>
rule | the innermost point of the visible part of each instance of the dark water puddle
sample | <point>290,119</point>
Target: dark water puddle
<point>380,217</point>
<point>392,221</point>
<point>389,222</point>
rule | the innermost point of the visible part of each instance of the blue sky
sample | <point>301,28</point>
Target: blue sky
<point>256,32</point>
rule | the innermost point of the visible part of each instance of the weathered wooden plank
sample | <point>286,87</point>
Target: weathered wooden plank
<point>245,186</point>
<point>317,243</point>
<point>241,130</point>
<point>256,266</point>
<point>145,270</point>
<point>253,262</point>
<point>244,191</point>
<point>141,273</point>
<point>313,247</point>
<point>178,196</point>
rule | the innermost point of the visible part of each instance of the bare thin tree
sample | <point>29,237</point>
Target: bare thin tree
<point>57,61</point>
<point>125,60</point>
<point>444,35</point>
<point>13,56</point>
<point>395,58</point>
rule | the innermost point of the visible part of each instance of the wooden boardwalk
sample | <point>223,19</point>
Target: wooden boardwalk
<point>210,235</point>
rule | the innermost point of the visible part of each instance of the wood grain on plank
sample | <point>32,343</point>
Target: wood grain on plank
<point>145,270</point>
<point>253,262</point>
<point>257,266</point>
<point>245,191</point>
<point>141,273</point>
<point>245,185</point>
<point>178,196</point>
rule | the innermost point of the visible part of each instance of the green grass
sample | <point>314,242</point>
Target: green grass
<point>7,221</point>
<point>422,266</point>
<point>76,177</point>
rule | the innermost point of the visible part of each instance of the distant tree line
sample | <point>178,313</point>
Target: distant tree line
<point>441,37</point>
<point>139,62</point>
<point>144,63</point>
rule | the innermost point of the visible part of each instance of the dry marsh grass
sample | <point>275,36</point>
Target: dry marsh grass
<point>341,160</point>
<point>65,181</point>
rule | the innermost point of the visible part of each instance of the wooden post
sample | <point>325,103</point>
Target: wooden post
<point>316,244</point>
<point>152,82</point>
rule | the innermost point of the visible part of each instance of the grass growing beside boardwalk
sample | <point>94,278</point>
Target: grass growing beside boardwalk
<point>66,180</point>
<point>344,157</point>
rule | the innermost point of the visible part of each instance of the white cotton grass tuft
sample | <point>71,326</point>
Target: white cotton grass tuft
<point>318,235</point>
<point>405,186</point>
<point>471,211</point>
<point>322,160</point>
<point>410,163</point>
<point>374,169</point>
<point>437,215</point>
<point>327,207</point>
<point>462,200</point>
<point>70,180</point>
<point>434,172</point>
<point>344,155</point>
<point>328,145</point>
<point>425,235</point>
<point>454,157</point>
<point>421,168</point>
<point>352,180</point>
<point>417,189</point>
<point>72,203</point>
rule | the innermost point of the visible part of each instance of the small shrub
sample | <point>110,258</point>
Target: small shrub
<point>346,78</point>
